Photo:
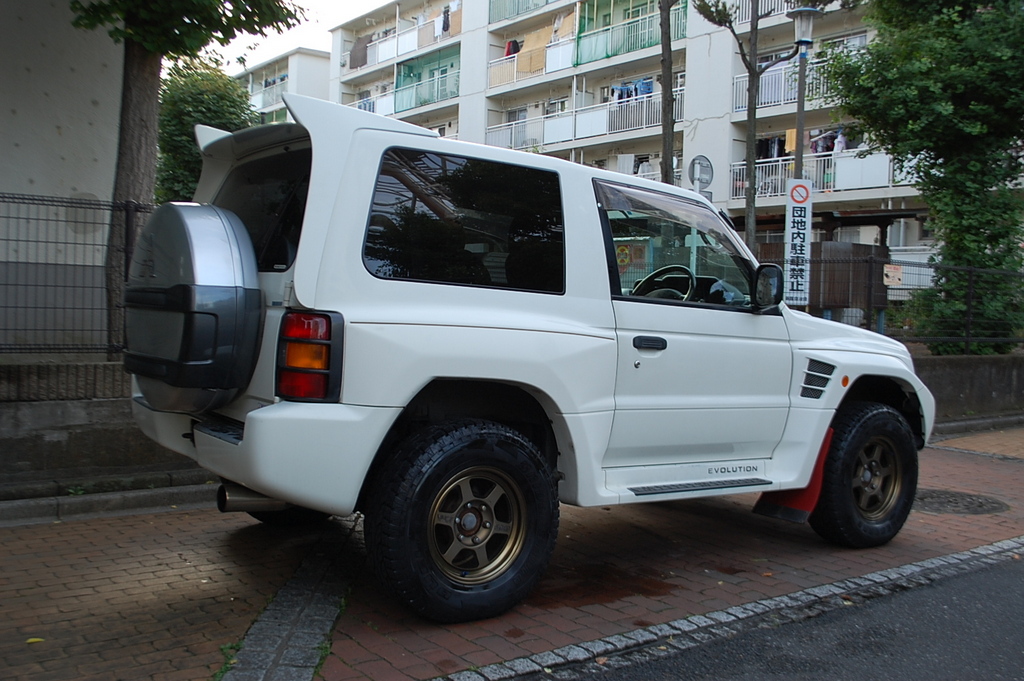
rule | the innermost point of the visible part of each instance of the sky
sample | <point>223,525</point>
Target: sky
<point>321,17</point>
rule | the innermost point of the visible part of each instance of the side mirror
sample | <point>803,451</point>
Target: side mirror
<point>768,291</point>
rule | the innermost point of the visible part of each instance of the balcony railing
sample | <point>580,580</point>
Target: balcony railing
<point>677,177</point>
<point>427,92</point>
<point>269,96</point>
<point>629,36</point>
<point>531,63</point>
<point>403,42</point>
<point>767,8</point>
<point>506,9</point>
<point>635,113</point>
<point>828,171</point>
<point>779,86</point>
<point>382,104</point>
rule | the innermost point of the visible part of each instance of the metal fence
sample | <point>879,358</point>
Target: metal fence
<point>54,290</point>
<point>53,264</point>
<point>900,298</point>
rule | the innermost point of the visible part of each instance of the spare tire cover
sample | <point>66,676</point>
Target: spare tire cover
<point>193,308</point>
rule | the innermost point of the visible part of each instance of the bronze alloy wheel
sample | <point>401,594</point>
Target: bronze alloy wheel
<point>477,525</point>
<point>877,478</point>
<point>869,477</point>
<point>462,519</point>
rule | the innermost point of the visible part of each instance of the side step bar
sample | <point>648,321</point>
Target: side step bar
<point>697,486</point>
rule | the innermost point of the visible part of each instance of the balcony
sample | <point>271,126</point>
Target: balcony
<point>767,8</point>
<point>531,63</point>
<point>382,104</point>
<point>506,9</point>
<point>629,36</point>
<point>830,172</point>
<point>636,113</point>
<point>779,86</point>
<point>367,54</point>
<point>269,96</point>
<point>427,92</point>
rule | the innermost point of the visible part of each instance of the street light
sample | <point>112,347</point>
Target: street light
<point>803,27</point>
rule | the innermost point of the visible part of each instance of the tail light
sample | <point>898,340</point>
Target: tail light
<point>309,356</point>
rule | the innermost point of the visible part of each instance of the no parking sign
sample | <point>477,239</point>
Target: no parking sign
<point>798,242</point>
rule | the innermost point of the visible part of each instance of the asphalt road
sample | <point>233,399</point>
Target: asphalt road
<point>959,628</point>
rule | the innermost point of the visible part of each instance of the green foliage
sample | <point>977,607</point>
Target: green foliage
<point>182,28</point>
<point>940,90</point>
<point>982,306</point>
<point>194,93</point>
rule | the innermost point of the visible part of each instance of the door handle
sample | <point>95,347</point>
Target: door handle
<point>649,343</point>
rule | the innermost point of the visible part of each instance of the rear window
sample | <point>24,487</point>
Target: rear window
<point>269,195</point>
<point>454,220</point>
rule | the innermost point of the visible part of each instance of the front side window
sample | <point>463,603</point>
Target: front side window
<point>668,248</point>
<point>454,220</point>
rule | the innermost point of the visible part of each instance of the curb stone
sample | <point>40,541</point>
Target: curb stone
<point>52,509</point>
<point>579,661</point>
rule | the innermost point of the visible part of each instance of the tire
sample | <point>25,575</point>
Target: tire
<point>870,477</point>
<point>290,517</point>
<point>463,520</point>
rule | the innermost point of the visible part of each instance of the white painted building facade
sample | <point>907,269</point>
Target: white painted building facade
<point>580,79</point>
<point>301,71</point>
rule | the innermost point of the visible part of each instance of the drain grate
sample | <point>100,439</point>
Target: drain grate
<point>958,503</point>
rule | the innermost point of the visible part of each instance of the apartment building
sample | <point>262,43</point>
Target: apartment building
<point>581,79</point>
<point>301,71</point>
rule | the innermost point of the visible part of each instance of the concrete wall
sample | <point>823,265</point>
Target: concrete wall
<point>971,387</point>
<point>47,429</point>
<point>78,438</point>
<point>61,92</point>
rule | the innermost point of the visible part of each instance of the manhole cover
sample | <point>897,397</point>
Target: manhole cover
<point>959,503</point>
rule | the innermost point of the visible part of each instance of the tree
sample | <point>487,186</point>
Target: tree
<point>939,90</point>
<point>724,13</point>
<point>195,92</point>
<point>668,94</point>
<point>150,31</point>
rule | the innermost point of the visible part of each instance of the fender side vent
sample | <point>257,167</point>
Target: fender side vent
<point>816,379</point>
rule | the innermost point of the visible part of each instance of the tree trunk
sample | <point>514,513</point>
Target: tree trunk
<point>668,100</point>
<point>753,88</point>
<point>135,177</point>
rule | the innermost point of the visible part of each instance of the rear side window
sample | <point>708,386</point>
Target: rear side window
<point>454,220</point>
<point>269,195</point>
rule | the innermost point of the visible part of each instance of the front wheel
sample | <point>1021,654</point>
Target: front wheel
<point>870,477</point>
<point>463,520</point>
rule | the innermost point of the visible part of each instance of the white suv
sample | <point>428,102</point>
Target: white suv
<point>453,338</point>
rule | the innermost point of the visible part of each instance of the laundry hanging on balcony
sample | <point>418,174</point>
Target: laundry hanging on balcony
<point>357,57</point>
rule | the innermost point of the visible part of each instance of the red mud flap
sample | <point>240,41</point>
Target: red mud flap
<point>795,505</point>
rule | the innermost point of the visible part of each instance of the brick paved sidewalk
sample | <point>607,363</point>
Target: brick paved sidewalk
<point>156,596</point>
<point>136,597</point>
<point>617,569</point>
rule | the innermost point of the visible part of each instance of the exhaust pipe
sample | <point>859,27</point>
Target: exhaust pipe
<point>232,497</point>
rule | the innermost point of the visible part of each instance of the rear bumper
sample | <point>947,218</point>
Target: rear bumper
<point>311,455</point>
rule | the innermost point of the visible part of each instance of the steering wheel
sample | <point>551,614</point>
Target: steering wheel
<point>647,285</point>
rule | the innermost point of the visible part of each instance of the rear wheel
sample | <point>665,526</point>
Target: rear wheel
<point>870,477</point>
<point>463,520</point>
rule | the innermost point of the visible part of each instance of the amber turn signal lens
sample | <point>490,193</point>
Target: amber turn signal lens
<point>306,356</point>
